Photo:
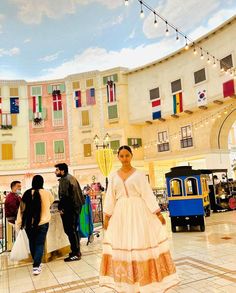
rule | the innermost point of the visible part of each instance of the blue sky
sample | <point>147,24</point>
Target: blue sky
<point>47,39</point>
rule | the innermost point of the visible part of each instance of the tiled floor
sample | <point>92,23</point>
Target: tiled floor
<point>206,262</point>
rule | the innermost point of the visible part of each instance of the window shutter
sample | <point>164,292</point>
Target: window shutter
<point>62,87</point>
<point>89,82</point>
<point>57,114</point>
<point>14,92</point>
<point>87,150</point>
<point>7,151</point>
<point>129,141</point>
<point>49,89</point>
<point>75,85</point>
<point>112,112</point>
<point>14,119</point>
<point>200,75</point>
<point>176,86</point>
<point>85,118</point>
<point>59,147</point>
<point>154,94</point>
<point>114,145</point>
<point>139,141</point>
<point>36,90</point>
<point>40,148</point>
<point>226,62</point>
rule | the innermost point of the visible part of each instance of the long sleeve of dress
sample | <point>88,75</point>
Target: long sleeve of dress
<point>148,196</point>
<point>110,199</point>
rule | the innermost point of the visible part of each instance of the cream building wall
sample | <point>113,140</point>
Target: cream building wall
<point>206,124</point>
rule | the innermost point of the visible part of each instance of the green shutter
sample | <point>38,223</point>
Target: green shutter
<point>139,141</point>
<point>36,90</point>
<point>31,115</point>
<point>40,148</point>
<point>113,77</point>
<point>129,142</point>
<point>62,87</point>
<point>59,147</point>
<point>49,89</point>
<point>57,114</point>
<point>114,145</point>
<point>112,112</point>
<point>44,113</point>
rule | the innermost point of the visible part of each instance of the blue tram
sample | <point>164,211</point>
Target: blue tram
<point>188,196</point>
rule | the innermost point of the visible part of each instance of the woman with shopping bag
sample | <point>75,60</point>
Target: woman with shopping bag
<point>34,216</point>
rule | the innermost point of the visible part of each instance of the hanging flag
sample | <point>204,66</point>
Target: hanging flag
<point>37,106</point>
<point>177,103</point>
<point>201,97</point>
<point>57,103</point>
<point>156,109</point>
<point>90,96</point>
<point>78,102</point>
<point>14,105</point>
<point>111,91</point>
<point>0,105</point>
<point>228,88</point>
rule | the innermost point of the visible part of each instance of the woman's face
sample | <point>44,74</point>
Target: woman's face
<point>125,157</point>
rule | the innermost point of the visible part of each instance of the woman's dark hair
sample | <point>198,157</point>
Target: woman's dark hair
<point>32,199</point>
<point>125,147</point>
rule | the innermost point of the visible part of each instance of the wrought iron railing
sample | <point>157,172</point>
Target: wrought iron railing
<point>3,230</point>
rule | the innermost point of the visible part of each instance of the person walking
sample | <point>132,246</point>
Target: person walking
<point>136,256</point>
<point>71,200</point>
<point>12,202</point>
<point>34,216</point>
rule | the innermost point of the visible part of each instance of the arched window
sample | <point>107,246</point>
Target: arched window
<point>176,187</point>
<point>191,186</point>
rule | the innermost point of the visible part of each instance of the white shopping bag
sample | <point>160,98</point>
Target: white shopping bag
<point>20,249</point>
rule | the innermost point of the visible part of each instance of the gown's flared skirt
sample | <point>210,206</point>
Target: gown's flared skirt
<point>136,256</point>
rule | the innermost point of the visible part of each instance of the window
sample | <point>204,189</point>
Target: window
<point>89,83</point>
<point>176,187</point>
<point>56,87</point>
<point>113,78</point>
<point>40,151</point>
<point>14,92</point>
<point>162,141</point>
<point>7,151</point>
<point>191,186</point>
<point>36,90</point>
<point>112,112</point>
<point>114,145</point>
<point>226,62</point>
<point>176,86</point>
<point>85,121</point>
<point>87,150</point>
<point>199,75</point>
<point>76,85</point>
<point>154,94</point>
<point>186,137</point>
<point>8,120</point>
<point>58,119</point>
<point>135,142</point>
<point>59,150</point>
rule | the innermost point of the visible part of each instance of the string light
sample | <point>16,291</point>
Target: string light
<point>188,41</point>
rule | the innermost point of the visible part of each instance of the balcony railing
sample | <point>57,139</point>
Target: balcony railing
<point>163,147</point>
<point>40,158</point>
<point>186,142</point>
<point>59,156</point>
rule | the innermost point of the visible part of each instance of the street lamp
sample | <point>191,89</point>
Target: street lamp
<point>105,143</point>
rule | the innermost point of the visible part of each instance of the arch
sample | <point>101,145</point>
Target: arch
<point>191,186</point>
<point>221,128</point>
<point>176,187</point>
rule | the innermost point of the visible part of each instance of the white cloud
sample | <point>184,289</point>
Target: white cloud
<point>132,34</point>
<point>11,52</point>
<point>101,59</point>
<point>185,15</point>
<point>50,58</point>
<point>32,11</point>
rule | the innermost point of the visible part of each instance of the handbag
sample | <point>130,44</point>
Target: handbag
<point>20,249</point>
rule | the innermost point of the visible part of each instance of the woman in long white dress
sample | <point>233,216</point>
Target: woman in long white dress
<point>136,256</point>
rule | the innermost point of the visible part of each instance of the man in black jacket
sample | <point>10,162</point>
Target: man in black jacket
<point>71,201</point>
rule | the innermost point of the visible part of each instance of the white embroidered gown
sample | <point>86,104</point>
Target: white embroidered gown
<point>136,256</point>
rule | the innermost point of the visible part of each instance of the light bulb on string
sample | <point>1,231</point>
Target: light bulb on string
<point>214,63</point>
<point>177,35</point>
<point>155,20</point>
<point>208,58</point>
<point>167,29</point>
<point>202,56</point>
<point>141,10</point>
<point>194,51</point>
<point>126,2</point>
<point>186,44</point>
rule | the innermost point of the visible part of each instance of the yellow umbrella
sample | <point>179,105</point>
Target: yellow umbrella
<point>104,159</point>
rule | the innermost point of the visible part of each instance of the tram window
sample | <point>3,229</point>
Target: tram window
<point>204,185</point>
<point>176,188</point>
<point>191,186</point>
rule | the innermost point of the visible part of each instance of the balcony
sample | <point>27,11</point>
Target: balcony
<point>163,147</point>
<point>186,142</point>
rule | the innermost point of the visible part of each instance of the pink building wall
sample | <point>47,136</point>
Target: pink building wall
<point>48,133</point>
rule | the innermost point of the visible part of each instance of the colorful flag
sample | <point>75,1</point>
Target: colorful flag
<point>228,88</point>
<point>90,96</point>
<point>57,103</point>
<point>0,105</point>
<point>78,102</point>
<point>37,106</point>
<point>156,109</point>
<point>14,105</point>
<point>111,91</point>
<point>177,103</point>
<point>201,97</point>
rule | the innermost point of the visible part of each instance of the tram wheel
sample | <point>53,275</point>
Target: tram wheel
<point>202,228</point>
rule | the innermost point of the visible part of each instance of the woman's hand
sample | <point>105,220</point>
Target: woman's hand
<point>161,218</point>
